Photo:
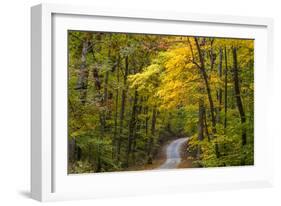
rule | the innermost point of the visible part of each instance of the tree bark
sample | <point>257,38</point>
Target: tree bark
<point>212,55</point>
<point>105,96</point>
<point>219,90</point>
<point>132,127</point>
<point>82,83</point>
<point>238,94</point>
<point>205,77</point>
<point>152,135</point>
<point>82,86</point>
<point>99,98</point>
<point>114,145</point>
<point>201,111</point>
<point>225,89</point>
<point>206,125</point>
<point>123,104</point>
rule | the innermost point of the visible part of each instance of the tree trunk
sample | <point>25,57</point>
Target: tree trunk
<point>225,89</point>
<point>82,86</point>
<point>82,83</point>
<point>152,135</point>
<point>238,95</point>
<point>206,125</point>
<point>123,104</point>
<point>99,98</point>
<point>71,149</point>
<point>132,127</point>
<point>212,55</point>
<point>114,145</point>
<point>146,118</point>
<point>138,129</point>
<point>205,77</point>
<point>219,90</point>
<point>201,111</point>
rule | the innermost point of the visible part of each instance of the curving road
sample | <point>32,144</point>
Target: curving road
<point>173,154</point>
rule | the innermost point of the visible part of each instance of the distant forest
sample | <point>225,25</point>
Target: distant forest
<point>129,95</point>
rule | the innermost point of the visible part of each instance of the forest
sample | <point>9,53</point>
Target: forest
<point>131,95</point>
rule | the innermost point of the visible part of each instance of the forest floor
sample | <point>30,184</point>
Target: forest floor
<point>158,160</point>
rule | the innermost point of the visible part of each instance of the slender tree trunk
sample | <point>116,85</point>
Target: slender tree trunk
<point>201,111</point>
<point>206,125</point>
<point>225,89</point>
<point>219,90</point>
<point>106,88</point>
<point>99,98</point>
<point>152,135</point>
<point>79,153</point>
<point>116,111</point>
<point>132,127</point>
<point>82,86</point>
<point>138,129</point>
<point>146,120</point>
<point>238,94</point>
<point>145,112</point>
<point>105,92</point>
<point>123,103</point>
<point>104,112</point>
<point>205,77</point>
<point>212,55</point>
<point>82,83</point>
<point>153,121</point>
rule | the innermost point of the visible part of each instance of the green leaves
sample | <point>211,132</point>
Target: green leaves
<point>141,90</point>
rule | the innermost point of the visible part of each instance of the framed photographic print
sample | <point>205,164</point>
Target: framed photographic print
<point>135,102</point>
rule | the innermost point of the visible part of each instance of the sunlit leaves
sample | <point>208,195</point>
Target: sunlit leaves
<point>145,75</point>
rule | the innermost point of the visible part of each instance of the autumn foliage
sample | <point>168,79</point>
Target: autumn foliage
<point>128,94</point>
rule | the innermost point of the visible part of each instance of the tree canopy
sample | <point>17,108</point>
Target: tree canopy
<point>129,94</point>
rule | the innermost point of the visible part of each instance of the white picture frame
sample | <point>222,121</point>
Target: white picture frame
<point>49,179</point>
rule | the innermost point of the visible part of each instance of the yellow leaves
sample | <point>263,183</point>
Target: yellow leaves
<point>178,60</point>
<point>147,80</point>
<point>216,80</point>
<point>229,43</point>
<point>179,65</point>
<point>169,94</point>
<point>174,79</point>
<point>180,78</point>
